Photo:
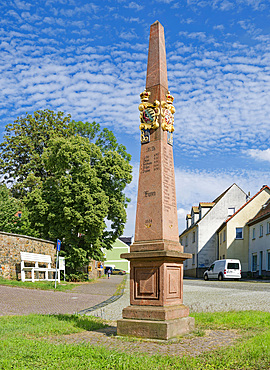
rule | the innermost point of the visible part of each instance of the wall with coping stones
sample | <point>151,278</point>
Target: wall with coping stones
<point>10,247</point>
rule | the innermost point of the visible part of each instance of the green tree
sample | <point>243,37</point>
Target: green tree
<point>24,142</point>
<point>85,188</point>
<point>71,177</point>
<point>13,215</point>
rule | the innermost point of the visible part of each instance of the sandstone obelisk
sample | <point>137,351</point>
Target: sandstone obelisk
<point>156,257</point>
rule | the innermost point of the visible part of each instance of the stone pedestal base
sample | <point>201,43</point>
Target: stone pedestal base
<point>154,313</point>
<point>165,330</point>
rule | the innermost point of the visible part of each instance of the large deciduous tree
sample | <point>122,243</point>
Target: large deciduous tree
<point>72,180</point>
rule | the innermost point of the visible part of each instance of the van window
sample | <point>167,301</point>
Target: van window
<point>233,266</point>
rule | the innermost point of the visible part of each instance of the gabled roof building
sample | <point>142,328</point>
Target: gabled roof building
<point>233,234</point>
<point>200,237</point>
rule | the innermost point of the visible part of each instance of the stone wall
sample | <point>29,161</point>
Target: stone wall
<point>10,247</point>
<point>93,271</point>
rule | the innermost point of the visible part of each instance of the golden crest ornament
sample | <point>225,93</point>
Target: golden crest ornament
<point>149,113</point>
<point>167,114</point>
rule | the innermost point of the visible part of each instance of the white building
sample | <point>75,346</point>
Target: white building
<point>200,237</point>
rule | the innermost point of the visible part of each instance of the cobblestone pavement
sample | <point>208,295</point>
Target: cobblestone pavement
<point>211,296</point>
<point>207,296</point>
<point>21,301</point>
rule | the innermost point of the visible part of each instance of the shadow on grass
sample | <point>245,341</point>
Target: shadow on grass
<point>89,323</point>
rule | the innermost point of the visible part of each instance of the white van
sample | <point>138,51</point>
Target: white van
<point>224,269</point>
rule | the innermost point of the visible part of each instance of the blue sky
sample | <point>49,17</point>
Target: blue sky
<point>88,58</point>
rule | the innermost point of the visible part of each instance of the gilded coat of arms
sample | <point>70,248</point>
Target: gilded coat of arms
<point>167,112</point>
<point>148,116</point>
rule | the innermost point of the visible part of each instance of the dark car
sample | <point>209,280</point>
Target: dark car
<point>118,272</point>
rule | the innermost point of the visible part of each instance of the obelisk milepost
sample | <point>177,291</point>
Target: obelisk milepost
<point>156,257</point>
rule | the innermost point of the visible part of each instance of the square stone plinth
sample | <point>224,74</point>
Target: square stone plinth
<point>164,330</point>
<point>153,313</point>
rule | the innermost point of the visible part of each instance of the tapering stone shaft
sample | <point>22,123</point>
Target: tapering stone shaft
<point>156,257</point>
<point>156,217</point>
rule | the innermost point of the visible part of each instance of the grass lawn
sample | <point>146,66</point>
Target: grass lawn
<point>25,343</point>
<point>42,285</point>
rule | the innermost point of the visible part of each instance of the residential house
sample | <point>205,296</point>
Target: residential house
<point>259,242</point>
<point>233,234</point>
<point>112,256</point>
<point>200,238</point>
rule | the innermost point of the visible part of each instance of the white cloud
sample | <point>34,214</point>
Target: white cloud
<point>260,155</point>
<point>133,5</point>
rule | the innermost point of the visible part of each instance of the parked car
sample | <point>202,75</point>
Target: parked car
<point>224,269</point>
<point>118,272</point>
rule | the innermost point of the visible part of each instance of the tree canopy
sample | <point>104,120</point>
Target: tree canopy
<point>13,215</point>
<point>23,145</point>
<point>71,177</point>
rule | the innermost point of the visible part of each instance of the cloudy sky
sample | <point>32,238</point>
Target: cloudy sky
<point>88,58</point>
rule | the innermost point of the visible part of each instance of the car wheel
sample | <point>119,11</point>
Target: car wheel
<point>206,277</point>
<point>220,277</point>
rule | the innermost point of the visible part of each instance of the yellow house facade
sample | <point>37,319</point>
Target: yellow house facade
<point>233,234</point>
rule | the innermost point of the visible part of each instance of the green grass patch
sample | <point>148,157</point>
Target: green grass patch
<point>244,320</point>
<point>42,285</point>
<point>44,325</point>
<point>121,286</point>
<point>25,344</point>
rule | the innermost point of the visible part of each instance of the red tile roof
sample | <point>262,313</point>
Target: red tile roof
<point>263,188</point>
<point>263,213</point>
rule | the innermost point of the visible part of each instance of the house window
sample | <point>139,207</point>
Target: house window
<point>186,240</point>
<point>231,211</point>
<point>268,260</point>
<point>193,259</point>
<point>268,227</point>
<point>239,233</point>
<point>220,238</point>
<point>254,262</point>
<point>253,233</point>
<point>193,237</point>
<point>261,231</point>
<point>224,235</point>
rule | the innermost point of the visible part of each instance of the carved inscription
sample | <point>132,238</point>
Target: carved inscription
<point>149,194</point>
<point>168,182</point>
<point>146,166</point>
<point>156,161</point>
<point>151,161</point>
<point>151,149</point>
